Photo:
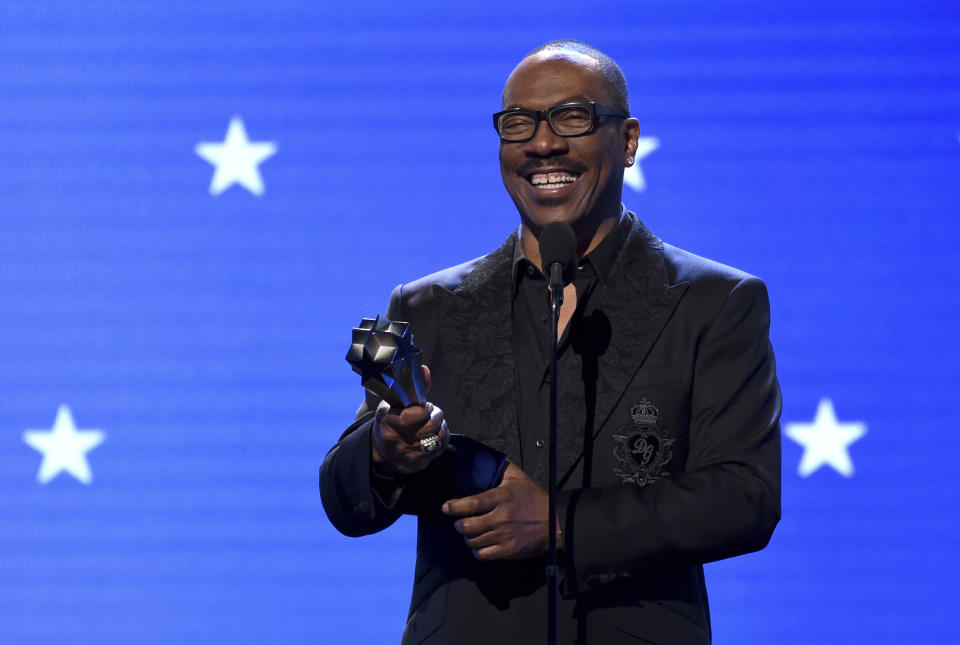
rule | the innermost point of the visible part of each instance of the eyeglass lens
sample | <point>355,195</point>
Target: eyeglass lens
<point>565,121</point>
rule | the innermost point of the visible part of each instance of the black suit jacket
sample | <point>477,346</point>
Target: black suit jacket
<point>670,459</point>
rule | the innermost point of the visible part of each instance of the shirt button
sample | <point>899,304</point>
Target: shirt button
<point>530,270</point>
<point>539,443</point>
<point>543,317</point>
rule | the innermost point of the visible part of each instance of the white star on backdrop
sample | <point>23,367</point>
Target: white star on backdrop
<point>633,175</point>
<point>237,159</point>
<point>826,441</point>
<point>64,448</point>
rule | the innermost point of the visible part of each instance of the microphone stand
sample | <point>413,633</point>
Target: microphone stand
<point>556,301</point>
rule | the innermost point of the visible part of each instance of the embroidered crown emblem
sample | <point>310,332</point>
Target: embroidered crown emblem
<point>643,449</point>
<point>645,413</point>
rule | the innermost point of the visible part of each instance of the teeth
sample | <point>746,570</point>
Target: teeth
<point>553,179</point>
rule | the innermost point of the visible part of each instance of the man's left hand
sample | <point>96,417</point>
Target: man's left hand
<point>506,522</point>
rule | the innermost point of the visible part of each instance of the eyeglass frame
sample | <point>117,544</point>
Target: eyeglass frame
<point>596,111</point>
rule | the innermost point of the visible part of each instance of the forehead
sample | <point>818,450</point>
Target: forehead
<point>551,77</point>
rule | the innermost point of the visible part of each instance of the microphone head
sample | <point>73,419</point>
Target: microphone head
<point>558,243</point>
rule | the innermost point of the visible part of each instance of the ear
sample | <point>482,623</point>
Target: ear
<point>631,133</point>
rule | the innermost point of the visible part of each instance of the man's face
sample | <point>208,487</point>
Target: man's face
<point>595,161</point>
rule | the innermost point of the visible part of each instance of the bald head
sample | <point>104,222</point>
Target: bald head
<point>606,68</point>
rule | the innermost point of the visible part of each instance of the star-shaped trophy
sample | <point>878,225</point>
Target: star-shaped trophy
<point>383,354</point>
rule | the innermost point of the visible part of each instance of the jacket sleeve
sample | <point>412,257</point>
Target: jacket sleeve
<point>356,499</point>
<point>348,496</point>
<point>727,500</point>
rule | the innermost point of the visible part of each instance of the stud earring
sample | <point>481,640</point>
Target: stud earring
<point>629,161</point>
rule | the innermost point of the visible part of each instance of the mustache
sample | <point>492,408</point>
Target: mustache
<point>529,167</point>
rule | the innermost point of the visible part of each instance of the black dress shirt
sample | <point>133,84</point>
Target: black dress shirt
<point>532,339</point>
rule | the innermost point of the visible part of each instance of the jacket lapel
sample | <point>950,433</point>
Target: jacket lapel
<point>638,302</point>
<point>633,307</point>
<point>477,343</point>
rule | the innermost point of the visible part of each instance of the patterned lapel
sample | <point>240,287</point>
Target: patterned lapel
<point>638,302</point>
<point>476,338</point>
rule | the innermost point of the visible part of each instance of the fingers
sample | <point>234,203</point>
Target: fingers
<point>473,505</point>
<point>484,537</point>
<point>406,441</point>
<point>492,552</point>
<point>488,539</point>
<point>475,526</point>
<point>490,546</point>
<point>438,422</point>
<point>413,422</point>
<point>426,377</point>
<point>405,421</point>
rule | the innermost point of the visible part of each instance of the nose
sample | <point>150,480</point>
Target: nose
<point>545,143</point>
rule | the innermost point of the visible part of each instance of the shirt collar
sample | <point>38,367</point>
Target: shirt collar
<point>601,258</point>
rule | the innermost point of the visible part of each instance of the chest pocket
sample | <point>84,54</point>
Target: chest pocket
<point>658,375</point>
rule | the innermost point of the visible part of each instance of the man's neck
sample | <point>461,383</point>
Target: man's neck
<point>585,243</point>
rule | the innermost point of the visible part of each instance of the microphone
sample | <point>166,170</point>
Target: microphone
<point>558,251</point>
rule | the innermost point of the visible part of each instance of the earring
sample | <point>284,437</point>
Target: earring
<point>629,161</point>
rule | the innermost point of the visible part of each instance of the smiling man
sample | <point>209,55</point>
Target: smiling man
<point>571,169</point>
<point>669,401</point>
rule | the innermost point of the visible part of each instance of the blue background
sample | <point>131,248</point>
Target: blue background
<point>811,144</point>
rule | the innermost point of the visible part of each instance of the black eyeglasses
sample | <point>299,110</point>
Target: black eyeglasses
<point>566,120</point>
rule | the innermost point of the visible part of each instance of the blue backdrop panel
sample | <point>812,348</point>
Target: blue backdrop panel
<point>178,291</point>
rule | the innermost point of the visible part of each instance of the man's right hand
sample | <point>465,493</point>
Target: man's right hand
<point>397,433</point>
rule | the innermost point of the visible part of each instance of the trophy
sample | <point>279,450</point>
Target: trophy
<point>383,354</point>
